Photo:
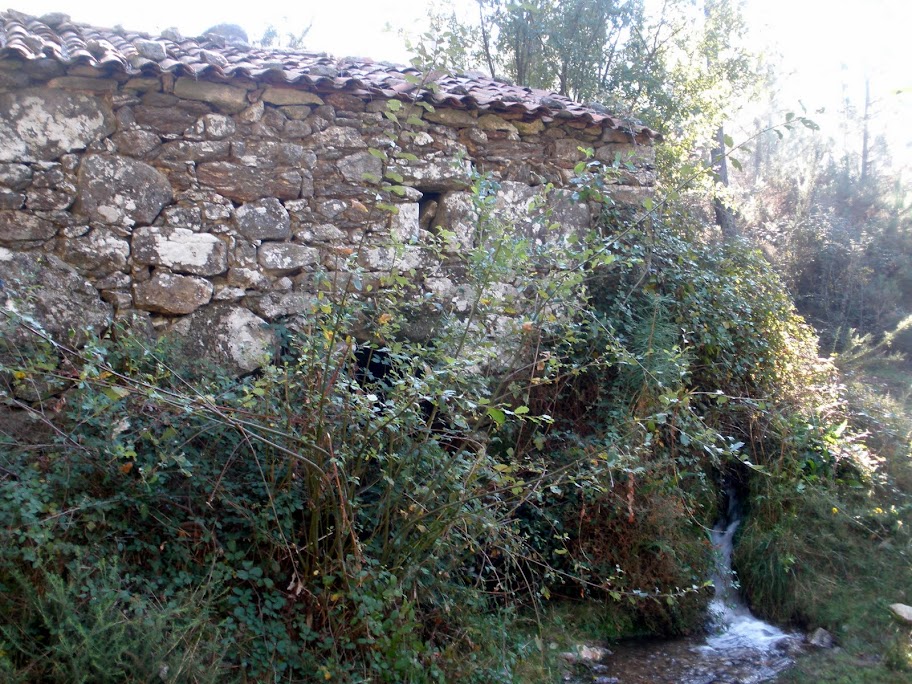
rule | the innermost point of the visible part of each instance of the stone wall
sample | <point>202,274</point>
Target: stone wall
<point>210,206</point>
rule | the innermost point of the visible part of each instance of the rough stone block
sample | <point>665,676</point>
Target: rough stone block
<point>121,191</point>
<point>165,120</point>
<point>338,137</point>
<point>226,97</point>
<point>15,176</point>
<point>232,337</point>
<point>142,84</point>
<point>280,258</point>
<point>94,85</point>
<point>278,304</point>
<point>44,123</point>
<point>404,224</point>
<point>18,226</point>
<point>180,250</point>
<point>182,150</point>
<point>637,155</point>
<point>529,127</point>
<point>172,294</point>
<point>355,167</point>
<point>136,143</point>
<point>458,118</point>
<point>492,122</point>
<point>11,200</point>
<point>100,252</point>
<point>289,96</point>
<point>265,219</point>
<point>246,184</point>
<point>270,154</point>
<point>52,293</point>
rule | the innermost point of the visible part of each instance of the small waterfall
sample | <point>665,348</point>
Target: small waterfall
<point>734,626</point>
<point>740,647</point>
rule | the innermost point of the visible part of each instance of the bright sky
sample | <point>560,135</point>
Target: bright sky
<point>827,45</point>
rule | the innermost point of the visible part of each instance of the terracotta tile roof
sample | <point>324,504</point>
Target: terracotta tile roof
<point>56,37</point>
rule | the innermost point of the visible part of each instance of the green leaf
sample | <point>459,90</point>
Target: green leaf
<point>379,154</point>
<point>393,105</point>
<point>521,410</point>
<point>115,393</point>
<point>497,416</point>
<point>735,163</point>
<point>394,176</point>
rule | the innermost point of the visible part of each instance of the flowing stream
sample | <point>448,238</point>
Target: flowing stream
<point>739,649</point>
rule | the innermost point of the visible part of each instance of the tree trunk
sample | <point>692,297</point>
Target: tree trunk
<point>724,216</point>
<point>865,161</point>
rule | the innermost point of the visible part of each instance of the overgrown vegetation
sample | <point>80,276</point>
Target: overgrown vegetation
<point>367,507</point>
<point>378,509</point>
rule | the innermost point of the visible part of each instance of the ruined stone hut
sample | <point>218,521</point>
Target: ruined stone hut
<point>201,183</point>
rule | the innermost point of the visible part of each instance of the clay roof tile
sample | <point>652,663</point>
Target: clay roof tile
<point>57,37</point>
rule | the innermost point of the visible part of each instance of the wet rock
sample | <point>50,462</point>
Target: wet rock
<point>265,219</point>
<point>43,124</point>
<point>821,638</point>
<point>228,335</point>
<point>181,250</point>
<point>172,294</point>
<point>586,654</point>
<point>902,612</point>
<point>121,191</point>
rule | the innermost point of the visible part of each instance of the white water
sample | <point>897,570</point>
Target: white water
<point>735,627</point>
<point>740,648</point>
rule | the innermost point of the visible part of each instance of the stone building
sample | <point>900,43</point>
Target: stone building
<point>202,183</point>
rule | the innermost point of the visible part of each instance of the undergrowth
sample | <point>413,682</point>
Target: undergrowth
<point>406,519</point>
